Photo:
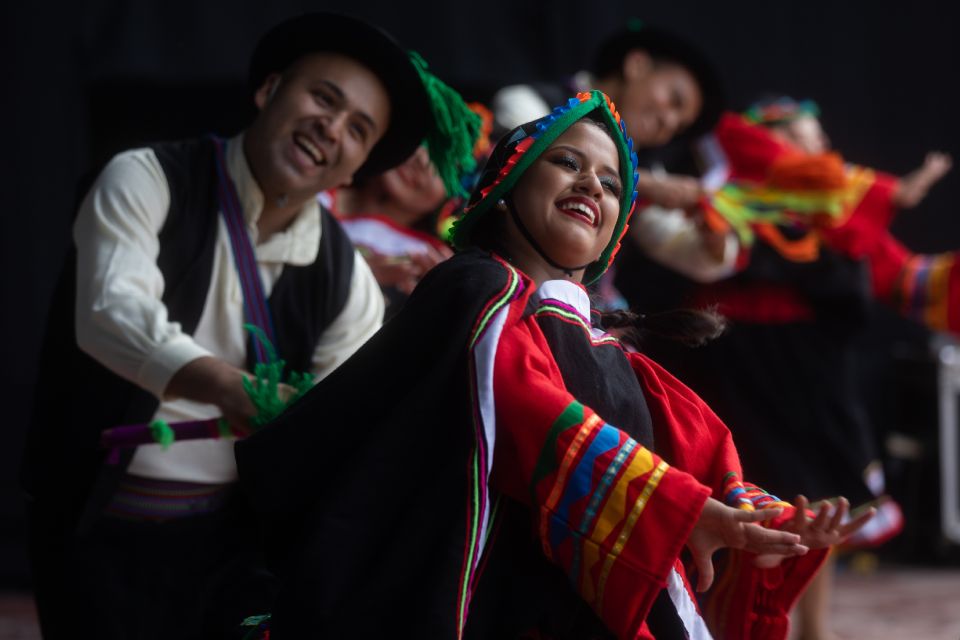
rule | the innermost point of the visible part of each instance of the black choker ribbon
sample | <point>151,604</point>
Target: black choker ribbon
<point>533,243</point>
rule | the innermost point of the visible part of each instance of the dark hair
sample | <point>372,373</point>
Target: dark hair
<point>691,327</point>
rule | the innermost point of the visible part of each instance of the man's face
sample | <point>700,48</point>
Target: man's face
<point>658,100</point>
<point>318,122</point>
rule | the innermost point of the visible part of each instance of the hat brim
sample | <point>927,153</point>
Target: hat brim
<point>372,47</point>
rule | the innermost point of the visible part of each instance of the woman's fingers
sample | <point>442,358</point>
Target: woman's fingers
<point>800,517</point>
<point>704,562</point>
<point>760,540</point>
<point>857,523</point>
<point>823,515</point>
<point>840,513</point>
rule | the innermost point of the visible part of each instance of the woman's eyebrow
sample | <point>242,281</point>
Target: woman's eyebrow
<point>572,150</point>
<point>582,156</point>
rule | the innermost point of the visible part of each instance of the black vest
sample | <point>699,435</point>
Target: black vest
<point>77,397</point>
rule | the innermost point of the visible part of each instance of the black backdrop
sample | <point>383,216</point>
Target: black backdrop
<point>86,78</point>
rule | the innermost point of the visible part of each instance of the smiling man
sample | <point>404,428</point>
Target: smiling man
<point>177,246</point>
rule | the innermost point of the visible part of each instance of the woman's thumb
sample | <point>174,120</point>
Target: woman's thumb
<point>704,562</point>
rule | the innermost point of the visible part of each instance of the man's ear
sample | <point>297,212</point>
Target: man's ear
<point>637,65</point>
<point>266,90</point>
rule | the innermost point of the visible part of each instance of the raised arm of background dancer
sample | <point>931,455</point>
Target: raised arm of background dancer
<point>668,190</point>
<point>914,186</point>
<point>681,241</point>
<point>121,320</point>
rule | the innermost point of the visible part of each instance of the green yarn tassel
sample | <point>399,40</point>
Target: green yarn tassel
<point>454,133</point>
<point>162,434</point>
<point>264,388</point>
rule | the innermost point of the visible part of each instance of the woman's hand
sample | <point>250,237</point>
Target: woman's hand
<point>722,526</point>
<point>913,187</point>
<point>825,529</point>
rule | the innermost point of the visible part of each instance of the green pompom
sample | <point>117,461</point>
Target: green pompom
<point>454,133</point>
<point>162,433</point>
<point>264,388</point>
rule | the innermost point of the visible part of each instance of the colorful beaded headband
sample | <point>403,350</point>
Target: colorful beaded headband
<point>780,111</point>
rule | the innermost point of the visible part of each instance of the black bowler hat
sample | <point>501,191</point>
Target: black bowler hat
<point>410,111</point>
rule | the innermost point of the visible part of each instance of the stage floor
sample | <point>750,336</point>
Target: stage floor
<point>890,604</point>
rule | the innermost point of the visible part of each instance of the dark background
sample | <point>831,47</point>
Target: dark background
<point>84,79</point>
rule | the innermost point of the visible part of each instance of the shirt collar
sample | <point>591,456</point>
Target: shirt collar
<point>567,292</point>
<point>298,243</point>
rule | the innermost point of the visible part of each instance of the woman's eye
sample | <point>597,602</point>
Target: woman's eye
<point>322,98</point>
<point>612,186</point>
<point>568,161</point>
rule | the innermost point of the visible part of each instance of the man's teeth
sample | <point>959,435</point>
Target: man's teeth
<point>582,208</point>
<point>312,149</point>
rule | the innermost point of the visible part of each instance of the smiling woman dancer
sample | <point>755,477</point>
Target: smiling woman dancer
<point>490,465</point>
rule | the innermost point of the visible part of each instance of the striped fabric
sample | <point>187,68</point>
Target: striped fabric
<point>142,499</point>
<point>594,483</point>
<point>924,287</point>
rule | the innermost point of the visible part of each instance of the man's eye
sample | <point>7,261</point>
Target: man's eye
<point>359,132</point>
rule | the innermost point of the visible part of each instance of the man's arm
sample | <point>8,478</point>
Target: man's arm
<point>360,318</point>
<point>121,320</point>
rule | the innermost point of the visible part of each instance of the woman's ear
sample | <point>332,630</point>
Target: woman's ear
<point>265,92</point>
<point>637,65</point>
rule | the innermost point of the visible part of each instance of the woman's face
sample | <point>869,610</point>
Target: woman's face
<point>569,199</point>
<point>804,133</point>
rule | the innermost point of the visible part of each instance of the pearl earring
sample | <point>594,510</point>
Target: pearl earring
<point>502,203</point>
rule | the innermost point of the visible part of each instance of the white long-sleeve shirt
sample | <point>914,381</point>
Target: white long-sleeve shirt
<point>122,322</point>
<point>675,240</point>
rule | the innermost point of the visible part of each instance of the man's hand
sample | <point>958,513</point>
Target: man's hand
<point>213,381</point>
<point>722,526</point>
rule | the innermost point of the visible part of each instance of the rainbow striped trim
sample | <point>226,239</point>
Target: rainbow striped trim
<point>747,497</point>
<point>922,290</point>
<point>587,483</point>
<point>570,315</point>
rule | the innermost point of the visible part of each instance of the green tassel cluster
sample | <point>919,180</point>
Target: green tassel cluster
<point>451,139</point>
<point>264,388</point>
